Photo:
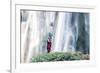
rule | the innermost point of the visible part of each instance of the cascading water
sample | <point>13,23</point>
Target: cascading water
<point>63,28</point>
<point>71,31</point>
<point>59,32</point>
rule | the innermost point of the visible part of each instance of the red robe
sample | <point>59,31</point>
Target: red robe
<point>48,46</point>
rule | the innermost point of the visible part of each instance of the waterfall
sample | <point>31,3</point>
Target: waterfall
<point>34,35</point>
<point>59,32</point>
<point>64,29</point>
<point>66,32</point>
<point>24,34</point>
<point>71,32</point>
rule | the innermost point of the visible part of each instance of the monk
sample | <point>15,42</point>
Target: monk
<point>49,45</point>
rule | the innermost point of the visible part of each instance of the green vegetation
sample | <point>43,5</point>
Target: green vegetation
<point>60,56</point>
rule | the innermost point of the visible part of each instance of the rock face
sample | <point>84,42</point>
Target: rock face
<point>68,32</point>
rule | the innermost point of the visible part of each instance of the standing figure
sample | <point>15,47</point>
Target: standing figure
<point>49,45</point>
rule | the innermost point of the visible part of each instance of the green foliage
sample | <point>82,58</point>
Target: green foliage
<point>60,56</point>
